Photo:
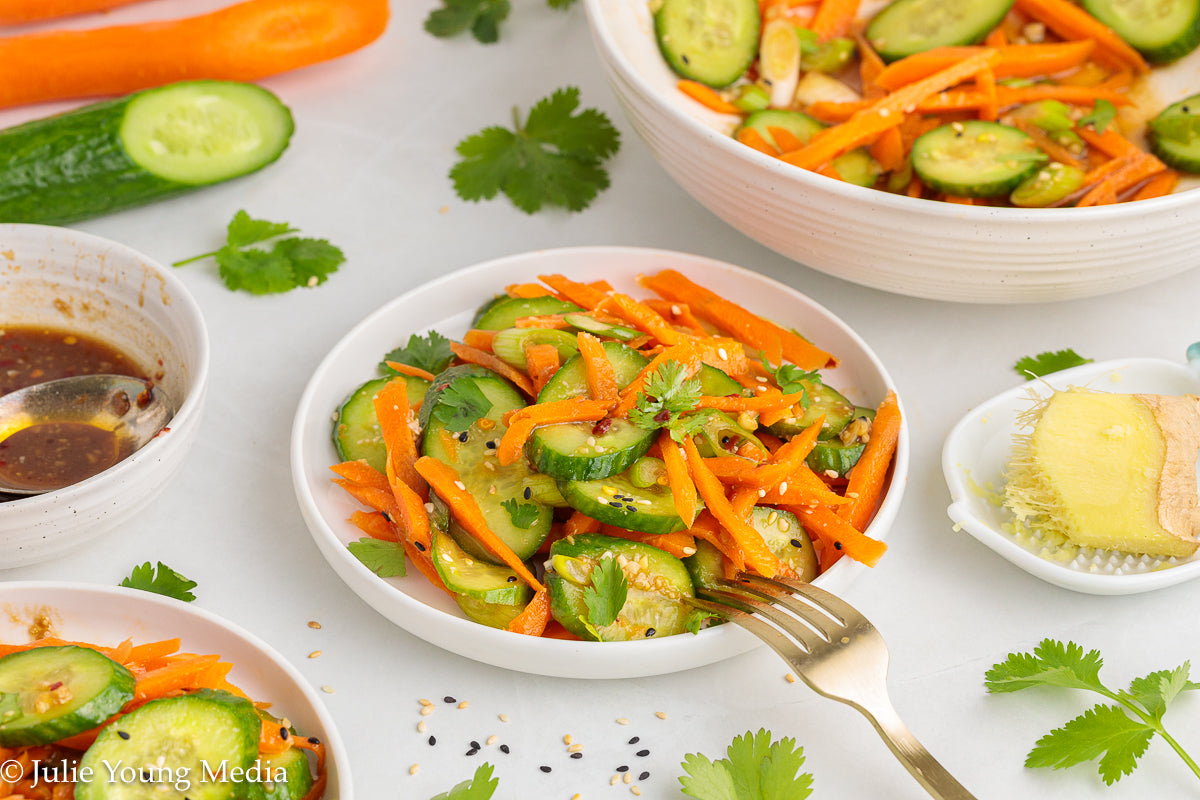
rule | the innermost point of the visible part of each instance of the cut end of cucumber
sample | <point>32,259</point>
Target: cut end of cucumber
<point>204,132</point>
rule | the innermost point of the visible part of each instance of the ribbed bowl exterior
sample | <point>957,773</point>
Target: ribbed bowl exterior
<point>899,244</point>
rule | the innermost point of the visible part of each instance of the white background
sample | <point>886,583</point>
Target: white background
<point>367,169</point>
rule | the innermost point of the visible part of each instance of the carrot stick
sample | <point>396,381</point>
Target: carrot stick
<point>393,412</point>
<point>444,480</point>
<point>888,150</point>
<point>601,377</point>
<point>555,321</point>
<point>707,97</point>
<point>362,473</point>
<point>1121,180</point>
<point>526,290</point>
<point>996,38</point>
<point>752,138</point>
<point>1161,184</point>
<point>787,459</point>
<point>473,355</point>
<point>375,525</point>
<point>834,18</point>
<point>683,489</point>
<point>867,476</point>
<point>579,293</point>
<point>1111,142</point>
<point>181,674</point>
<point>760,403</point>
<point>159,649</point>
<point>839,535</point>
<point>522,423</point>
<point>682,354</point>
<point>406,369</point>
<point>480,340</point>
<point>243,42</point>
<point>14,12</point>
<point>579,522</point>
<point>680,313</point>
<point>644,318</point>
<point>1047,145</point>
<point>1012,61</point>
<point>533,619</point>
<point>541,361</point>
<point>378,499</point>
<point>869,67</point>
<point>1072,22</point>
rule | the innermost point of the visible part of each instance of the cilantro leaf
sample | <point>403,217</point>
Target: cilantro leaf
<point>1051,664</point>
<point>1179,128</point>
<point>1103,113</point>
<point>481,17</point>
<point>460,405</point>
<point>1156,691</point>
<point>667,395</point>
<point>522,514</point>
<point>385,559</point>
<point>430,352</point>
<point>480,787</point>
<point>1050,361</point>
<point>161,580</point>
<point>554,158</point>
<point>290,263</point>
<point>606,596</point>
<point>1105,733</point>
<point>755,769</point>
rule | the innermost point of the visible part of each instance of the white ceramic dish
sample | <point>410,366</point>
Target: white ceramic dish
<point>915,247</point>
<point>109,615</point>
<point>65,279</point>
<point>446,305</point>
<point>980,445</point>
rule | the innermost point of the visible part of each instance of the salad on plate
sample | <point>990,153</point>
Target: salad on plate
<point>579,462</point>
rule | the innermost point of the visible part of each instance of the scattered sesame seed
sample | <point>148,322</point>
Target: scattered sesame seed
<point>544,768</point>
<point>762,492</point>
<point>575,748</point>
<point>425,702</point>
<point>622,721</point>
<point>576,755</point>
<point>635,740</point>
<point>504,749</point>
<point>426,711</point>
<point>472,751</point>
<point>474,745</point>
<point>124,735</point>
<point>627,778</point>
<point>421,726</point>
<point>413,769</point>
<point>622,768</point>
<point>314,654</point>
<point>503,717</point>
<point>643,776</point>
<point>327,689</point>
<point>528,493</point>
<point>577,796</point>
<point>432,741</point>
<point>790,678</point>
<point>660,714</point>
<point>783,488</point>
<point>460,485</point>
<point>492,739</point>
<point>615,780</point>
<point>567,739</point>
<point>642,753</point>
<point>449,699</point>
<point>312,623</point>
<point>463,704</point>
<point>635,790</point>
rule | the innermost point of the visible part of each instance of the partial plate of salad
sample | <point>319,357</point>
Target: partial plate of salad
<point>534,462</point>
<point>96,678</point>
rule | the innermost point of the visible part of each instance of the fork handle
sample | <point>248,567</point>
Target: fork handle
<point>912,754</point>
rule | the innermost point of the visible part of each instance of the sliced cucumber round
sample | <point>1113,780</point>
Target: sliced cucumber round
<point>722,435</point>
<point>975,158</point>
<point>710,41</point>
<point>287,776</point>
<point>1175,135</point>
<point>510,343</point>
<point>705,565</point>
<point>356,431</point>
<point>905,27</point>
<point>50,693</point>
<point>493,615</point>
<point>175,748</point>
<point>1051,184</point>
<point>462,574</point>
<point>787,539</point>
<point>824,400</point>
<point>1161,30</point>
<point>504,311</point>
<point>604,330</point>
<point>617,501</point>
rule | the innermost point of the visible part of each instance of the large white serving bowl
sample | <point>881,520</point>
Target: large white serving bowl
<point>447,305</point>
<point>61,278</point>
<point>896,243</point>
<point>108,615</point>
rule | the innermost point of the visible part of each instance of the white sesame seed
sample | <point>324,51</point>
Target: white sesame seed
<point>503,717</point>
<point>722,353</point>
<point>327,689</point>
<point>627,778</point>
<point>463,704</point>
<point>314,654</point>
<point>312,623</point>
<point>567,739</point>
<point>421,726</point>
<point>425,702</point>
<point>790,678</point>
<point>762,492</point>
<point>760,379</point>
<point>460,485</point>
<point>622,721</point>
<point>635,790</point>
<point>413,769</point>
<point>615,780</point>
<point>660,714</point>
<point>575,748</point>
<point>676,310</point>
<point>426,711</point>
<point>493,739</point>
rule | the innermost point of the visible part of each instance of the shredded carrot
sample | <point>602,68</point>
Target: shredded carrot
<point>1137,169</point>
<point>394,416</point>
<point>682,354</point>
<point>473,355</point>
<point>579,293</point>
<point>1012,61</point>
<point>14,12</point>
<point>762,402</point>
<point>360,472</point>
<point>752,138</point>
<point>526,290</point>
<point>868,475</point>
<point>1160,185</point>
<point>601,377</point>
<point>869,68</point>
<point>889,150</point>
<point>1072,22</point>
<point>683,489</point>
<point>541,362</point>
<point>678,314</point>
<point>533,619</point>
<point>834,18</point>
<point>480,340</point>
<point>645,319</point>
<point>522,423</point>
<point>838,535</point>
<point>1110,142</point>
<point>543,321</point>
<point>578,523</point>
<point>708,97</point>
<point>405,369</point>
<point>375,525</point>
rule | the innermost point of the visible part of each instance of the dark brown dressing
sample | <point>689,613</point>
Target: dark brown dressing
<point>51,455</point>
<point>30,355</point>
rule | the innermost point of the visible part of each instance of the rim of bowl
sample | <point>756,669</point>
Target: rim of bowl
<point>188,411</point>
<point>845,570</point>
<point>333,739</point>
<point>936,210</point>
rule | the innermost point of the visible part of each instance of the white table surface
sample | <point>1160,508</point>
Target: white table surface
<point>367,168</point>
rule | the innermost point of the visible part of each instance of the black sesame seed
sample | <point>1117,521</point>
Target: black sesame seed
<point>313,740</point>
<point>635,740</point>
<point>837,545</point>
<point>512,578</point>
<point>419,546</point>
<point>504,749</point>
<point>462,437</point>
<point>642,753</point>
<point>472,752</point>
<point>491,445</point>
<point>474,745</point>
<point>631,508</point>
<point>432,741</point>
<point>544,768</point>
<point>797,543</point>
<point>385,515</point>
<point>528,493</point>
<point>684,59</point>
<point>283,733</point>
<point>576,755</point>
<point>643,776</point>
<point>614,503</point>
<point>650,632</point>
<point>123,735</point>
<point>449,699</point>
<point>622,768</point>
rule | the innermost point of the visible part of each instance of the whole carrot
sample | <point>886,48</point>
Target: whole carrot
<point>243,42</point>
<point>13,12</point>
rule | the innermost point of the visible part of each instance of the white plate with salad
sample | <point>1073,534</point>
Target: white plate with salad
<point>149,662</point>
<point>592,490</point>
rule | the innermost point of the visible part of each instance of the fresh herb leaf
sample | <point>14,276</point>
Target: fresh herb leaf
<point>1114,735</point>
<point>385,559</point>
<point>481,17</point>
<point>480,787</point>
<point>1179,128</point>
<point>697,620</point>
<point>554,158</point>
<point>1103,113</point>
<point>668,394</point>
<point>756,769</point>
<point>161,580</point>
<point>606,596</point>
<point>560,4</point>
<point>430,352</point>
<point>460,405</point>
<point>791,379</point>
<point>522,514</point>
<point>1050,361</point>
<point>290,263</point>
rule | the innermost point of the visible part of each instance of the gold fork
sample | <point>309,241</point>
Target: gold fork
<point>836,651</point>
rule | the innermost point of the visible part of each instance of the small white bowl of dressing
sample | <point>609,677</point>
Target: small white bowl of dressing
<point>74,288</point>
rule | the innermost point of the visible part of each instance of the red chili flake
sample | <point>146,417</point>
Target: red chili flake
<point>663,416</point>
<point>601,427</point>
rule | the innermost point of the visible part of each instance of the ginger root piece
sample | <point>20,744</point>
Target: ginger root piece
<point>1111,471</point>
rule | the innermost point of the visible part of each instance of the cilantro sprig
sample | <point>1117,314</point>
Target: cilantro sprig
<point>431,353</point>
<point>669,394</point>
<point>555,157</point>
<point>1102,114</point>
<point>481,17</point>
<point>161,580</point>
<point>1050,361</point>
<point>792,379</point>
<point>606,596</point>
<point>755,768</point>
<point>290,263</point>
<point>385,559</point>
<point>460,405</point>
<point>522,514</point>
<point>480,787</point>
<point>1115,735</point>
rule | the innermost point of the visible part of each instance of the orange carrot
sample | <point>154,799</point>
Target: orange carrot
<point>473,355</point>
<point>838,535</point>
<point>867,476</point>
<point>579,293</point>
<point>480,340</point>
<point>707,528</point>
<point>870,65</point>
<point>533,619</point>
<point>541,361</point>
<point>783,139</point>
<point>834,18</point>
<point>770,400</point>
<point>1161,184</point>
<point>679,313</point>
<point>1047,145</point>
<point>708,97</point>
<point>361,472</point>
<point>997,37</point>
<point>683,354</point>
<point>14,12</point>
<point>752,138</point>
<point>393,412</point>
<point>526,290</point>
<point>1111,142</point>
<point>1072,22</point>
<point>405,369</point>
<point>1013,61</point>
<point>375,525</point>
<point>1137,169</point>
<point>378,499</point>
<point>644,318</point>
<point>888,150</point>
<point>522,423</point>
<point>244,42</point>
<point>683,489</point>
<point>444,480</point>
<point>680,544</point>
<point>149,650</point>
<point>787,459</point>
<point>579,522</point>
<point>181,674</point>
<point>601,377</point>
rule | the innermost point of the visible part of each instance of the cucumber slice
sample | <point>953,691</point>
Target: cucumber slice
<point>716,383</point>
<point>721,435</point>
<point>617,501</point>
<point>510,343</point>
<point>504,311</point>
<point>50,693</point>
<point>705,565</point>
<point>975,158</point>
<point>1052,184</point>
<point>604,330</point>
<point>1161,30</point>
<point>834,458</point>
<point>356,431</point>
<point>710,41</point>
<point>787,539</point>
<point>658,583</point>
<point>151,145</point>
<point>173,748</point>
<point>473,455</point>
<point>286,776</point>
<point>1175,135</point>
<point>855,167</point>
<point>905,27</point>
<point>494,615</point>
<point>462,574</point>
<point>822,399</point>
